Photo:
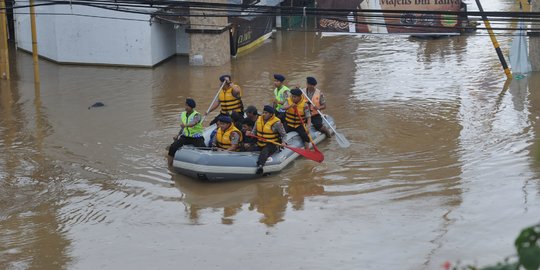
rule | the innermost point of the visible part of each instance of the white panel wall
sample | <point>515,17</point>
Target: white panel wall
<point>163,41</point>
<point>45,30</point>
<point>96,40</point>
<point>182,41</point>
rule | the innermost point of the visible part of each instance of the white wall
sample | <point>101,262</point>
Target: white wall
<point>44,28</point>
<point>79,39</point>
<point>182,41</point>
<point>163,43</point>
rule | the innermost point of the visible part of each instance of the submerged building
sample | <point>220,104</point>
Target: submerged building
<point>86,34</point>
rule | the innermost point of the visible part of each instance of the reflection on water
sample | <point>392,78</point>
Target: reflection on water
<point>268,198</point>
<point>441,148</point>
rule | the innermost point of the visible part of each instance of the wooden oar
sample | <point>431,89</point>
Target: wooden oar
<point>342,141</point>
<point>313,155</point>
<point>215,97</point>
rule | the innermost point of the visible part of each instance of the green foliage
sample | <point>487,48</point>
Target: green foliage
<point>503,266</point>
<point>528,252</point>
<point>528,249</point>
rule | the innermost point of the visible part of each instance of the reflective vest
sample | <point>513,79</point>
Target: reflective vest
<point>290,115</point>
<point>230,103</point>
<point>223,138</point>
<point>194,131</point>
<point>264,129</point>
<point>316,98</point>
<point>279,95</point>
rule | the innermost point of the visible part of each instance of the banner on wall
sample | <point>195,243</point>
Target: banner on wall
<point>398,23</point>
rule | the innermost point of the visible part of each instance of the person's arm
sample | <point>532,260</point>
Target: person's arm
<point>179,134</point>
<point>214,141</point>
<point>253,131</point>
<point>196,119</point>
<point>236,91</point>
<point>235,140</point>
<point>286,105</point>
<point>322,102</point>
<point>284,96</point>
<point>278,128</point>
<point>307,113</point>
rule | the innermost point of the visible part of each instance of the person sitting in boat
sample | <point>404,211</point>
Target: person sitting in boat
<point>297,108</point>
<point>319,103</point>
<point>252,113</point>
<point>247,126</point>
<point>281,93</point>
<point>230,99</point>
<point>228,137</point>
<point>237,120</point>
<point>191,132</point>
<point>271,131</point>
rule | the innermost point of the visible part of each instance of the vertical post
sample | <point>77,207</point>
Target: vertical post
<point>534,42</point>
<point>34,41</point>
<point>494,41</point>
<point>209,37</point>
<point>4,52</point>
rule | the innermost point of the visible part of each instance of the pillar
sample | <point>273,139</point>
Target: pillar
<point>209,38</point>
<point>534,41</point>
<point>4,53</point>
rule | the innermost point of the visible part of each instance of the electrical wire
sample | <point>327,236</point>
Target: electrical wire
<point>201,9</point>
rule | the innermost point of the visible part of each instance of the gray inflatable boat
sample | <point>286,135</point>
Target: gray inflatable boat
<point>205,164</point>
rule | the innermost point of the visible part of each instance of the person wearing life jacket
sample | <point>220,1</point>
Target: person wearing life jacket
<point>269,127</point>
<point>228,137</point>
<point>281,93</point>
<point>319,103</point>
<point>297,105</point>
<point>191,132</point>
<point>229,98</point>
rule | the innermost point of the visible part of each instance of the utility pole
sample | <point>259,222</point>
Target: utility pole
<point>34,41</point>
<point>494,41</point>
<point>4,52</point>
<point>534,41</point>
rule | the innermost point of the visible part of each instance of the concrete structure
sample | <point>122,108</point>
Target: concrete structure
<point>534,42</point>
<point>105,37</point>
<point>210,43</point>
<point>4,54</point>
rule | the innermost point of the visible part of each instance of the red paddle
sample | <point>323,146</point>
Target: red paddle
<point>315,149</point>
<point>313,155</point>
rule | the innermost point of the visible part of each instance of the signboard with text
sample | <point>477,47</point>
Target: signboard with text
<point>402,22</point>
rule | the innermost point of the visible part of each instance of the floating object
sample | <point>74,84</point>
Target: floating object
<point>96,105</point>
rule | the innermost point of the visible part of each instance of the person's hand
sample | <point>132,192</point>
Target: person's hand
<point>182,125</point>
<point>283,144</point>
<point>249,133</point>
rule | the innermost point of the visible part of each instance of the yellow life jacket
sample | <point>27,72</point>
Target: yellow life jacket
<point>290,115</point>
<point>223,138</point>
<point>230,103</point>
<point>316,99</point>
<point>264,129</point>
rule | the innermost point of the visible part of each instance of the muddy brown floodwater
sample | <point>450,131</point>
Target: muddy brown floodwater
<point>444,162</point>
